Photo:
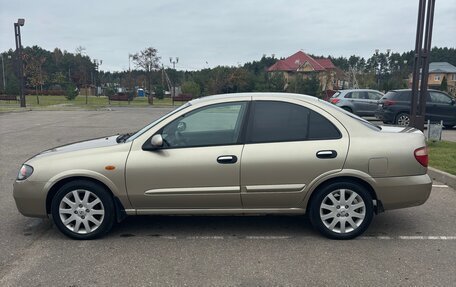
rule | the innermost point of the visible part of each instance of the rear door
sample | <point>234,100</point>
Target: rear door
<point>288,145</point>
<point>360,101</point>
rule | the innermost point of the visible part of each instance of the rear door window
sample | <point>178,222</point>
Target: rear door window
<point>275,121</point>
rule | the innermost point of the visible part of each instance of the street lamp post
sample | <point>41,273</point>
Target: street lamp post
<point>174,62</point>
<point>17,35</point>
<point>3,73</point>
<point>378,69</point>
<point>130,56</point>
<point>97,63</point>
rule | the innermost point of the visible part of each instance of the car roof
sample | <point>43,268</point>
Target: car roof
<point>409,90</point>
<point>359,90</point>
<point>248,96</point>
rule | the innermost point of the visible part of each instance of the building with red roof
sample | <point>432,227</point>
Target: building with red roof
<point>302,65</point>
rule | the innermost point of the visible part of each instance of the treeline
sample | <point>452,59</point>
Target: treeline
<point>56,70</point>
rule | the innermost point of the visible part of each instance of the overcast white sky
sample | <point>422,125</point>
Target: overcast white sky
<point>207,33</point>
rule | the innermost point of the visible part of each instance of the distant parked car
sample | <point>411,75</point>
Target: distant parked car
<point>394,107</point>
<point>361,102</point>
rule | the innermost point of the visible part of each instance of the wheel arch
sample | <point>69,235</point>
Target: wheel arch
<point>120,213</point>
<point>346,178</point>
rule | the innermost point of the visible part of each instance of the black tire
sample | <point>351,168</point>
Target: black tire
<point>106,221</point>
<point>347,109</point>
<point>361,224</point>
<point>403,119</point>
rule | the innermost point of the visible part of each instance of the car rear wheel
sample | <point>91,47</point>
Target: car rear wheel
<point>347,109</point>
<point>403,119</point>
<point>83,210</point>
<point>341,210</point>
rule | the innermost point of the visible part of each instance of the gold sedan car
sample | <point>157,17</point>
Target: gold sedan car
<point>253,153</point>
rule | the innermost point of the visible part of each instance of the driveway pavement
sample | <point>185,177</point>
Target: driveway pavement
<point>409,247</point>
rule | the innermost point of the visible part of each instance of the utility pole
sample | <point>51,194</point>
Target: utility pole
<point>421,60</point>
<point>17,35</point>
<point>174,62</point>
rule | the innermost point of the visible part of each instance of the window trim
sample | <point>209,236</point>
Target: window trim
<point>248,138</point>
<point>238,141</point>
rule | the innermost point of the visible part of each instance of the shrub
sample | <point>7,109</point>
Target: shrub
<point>159,93</point>
<point>71,92</point>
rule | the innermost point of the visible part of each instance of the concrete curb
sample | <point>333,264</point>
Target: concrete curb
<point>442,176</point>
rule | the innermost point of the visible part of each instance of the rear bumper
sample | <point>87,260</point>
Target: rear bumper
<point>404,191</point>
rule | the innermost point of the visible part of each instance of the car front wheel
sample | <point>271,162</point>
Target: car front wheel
<point>342,210</point>
<point>83,210</point>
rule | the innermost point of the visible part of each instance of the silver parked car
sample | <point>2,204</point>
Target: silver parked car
<point>248,153</point>
<point>361,102</point>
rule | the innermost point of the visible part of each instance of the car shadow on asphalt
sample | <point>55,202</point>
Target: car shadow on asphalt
<point>235,226</point>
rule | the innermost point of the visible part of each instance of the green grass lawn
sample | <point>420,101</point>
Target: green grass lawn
<point>442,155</point>
<point>61,103</point>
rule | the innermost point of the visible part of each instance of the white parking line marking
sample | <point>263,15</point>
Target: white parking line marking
<point>427,237</point>
<point>168,237</point>
<point>439,185</point>
<point>205,237</point>
<point>267,237</point>
<point>284,237</point>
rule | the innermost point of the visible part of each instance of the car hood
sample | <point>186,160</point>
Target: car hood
<point>87,144</point>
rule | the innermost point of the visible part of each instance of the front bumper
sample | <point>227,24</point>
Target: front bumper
<point>403,191</point>
<point>30,198</point>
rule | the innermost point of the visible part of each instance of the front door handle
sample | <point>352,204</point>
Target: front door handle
<point>326,154</point>
<point>224,159</point>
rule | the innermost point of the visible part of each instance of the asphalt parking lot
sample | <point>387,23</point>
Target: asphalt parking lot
<point>415,246</point>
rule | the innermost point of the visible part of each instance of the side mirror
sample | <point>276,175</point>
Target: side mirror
<point>157,141</point>
<point>453,101</point>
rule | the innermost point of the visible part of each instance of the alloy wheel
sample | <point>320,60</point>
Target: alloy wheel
<point>342,211</point>
<point>81,211</point>
<point>403,120</point>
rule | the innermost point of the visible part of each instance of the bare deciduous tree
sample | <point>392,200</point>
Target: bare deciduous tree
<point>148,61</point>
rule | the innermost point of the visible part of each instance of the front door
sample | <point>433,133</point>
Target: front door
<point>441,108</point>
<point>199,165</point>
<point>287,146</point>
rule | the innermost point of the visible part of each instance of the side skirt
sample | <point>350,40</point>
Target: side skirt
<point>208,211</point>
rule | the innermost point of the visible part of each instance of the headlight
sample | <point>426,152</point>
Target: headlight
<point>24,172</point>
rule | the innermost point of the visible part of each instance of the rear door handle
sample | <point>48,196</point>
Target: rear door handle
<point>326,154</point>
<point>224,159</point>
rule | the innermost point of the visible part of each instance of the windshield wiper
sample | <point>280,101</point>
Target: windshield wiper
<point>123,137</point>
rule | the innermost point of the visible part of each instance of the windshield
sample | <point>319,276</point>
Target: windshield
<point>353,116</point>
<point>146,128</point>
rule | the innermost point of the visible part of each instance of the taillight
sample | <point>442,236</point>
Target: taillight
<point>421,155</point>
<point>335,100</point>
<point>388,103</point>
